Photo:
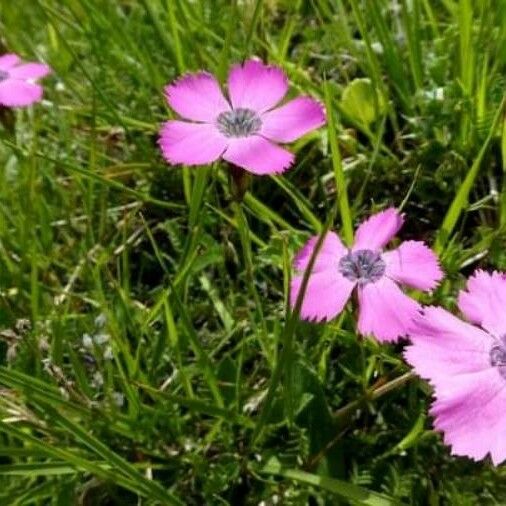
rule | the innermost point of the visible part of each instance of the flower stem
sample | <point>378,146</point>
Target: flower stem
<point>239,182</point>
<point>341,416</point>
<point>285,355</point>
<point>373,394</point>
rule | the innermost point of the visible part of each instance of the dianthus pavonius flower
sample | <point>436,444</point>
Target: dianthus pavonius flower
<point>17,81</point>
<point>385,311</point>
<point>244,129</point>
<point>466,365</point>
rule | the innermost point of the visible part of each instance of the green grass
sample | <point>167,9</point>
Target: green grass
<point>207,389</point>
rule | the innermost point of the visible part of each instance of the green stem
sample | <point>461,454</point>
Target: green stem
<point>287,337</point>
<point>341,190</point>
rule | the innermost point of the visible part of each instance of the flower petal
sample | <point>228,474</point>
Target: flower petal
<point>444,346</point>
<point>484,301</point>
<point>258,155</point>
<point>385,311</point>
<point>292,120</point>
<point>15,93</point>
<point>326,295</point>
<point>197,97</point>
<point>8,60</point>
<point>413,264</point>
<point>191,143</point>
<point>473,417</point>
<point>378,230</point>
<point>256,86</point>
<point>29,71</point>
<point>470,406</point>
<point>328,257</point>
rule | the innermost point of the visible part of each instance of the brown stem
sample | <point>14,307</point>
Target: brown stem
<point>342,414</point>
<point>373,394</point>
<point>239,182</point>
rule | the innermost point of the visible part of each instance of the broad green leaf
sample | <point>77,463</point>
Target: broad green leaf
<point>362,103</point>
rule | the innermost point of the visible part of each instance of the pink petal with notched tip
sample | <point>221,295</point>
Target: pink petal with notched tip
<point>331,251</point>
<point>29,71</point>
<point>258,155</point>
<point>378,230</point>
<point>256,86</point>
<point>385,311</point>
<point>197,97</point>
<point>8,60</point>
<point>15,93</point>
<point>444,346</point>
<point>191,143</point>
<point>473,416</point>
<point>413,264</point>
<point>292,120</point>
<point>470,405</point>
<point>326,295</point>
<point>484,301</point>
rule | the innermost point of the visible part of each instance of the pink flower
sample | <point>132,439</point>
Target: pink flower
<point>17,86</point>
<point>385,311</point>
<point>243,131</point>
<point>466,365</point>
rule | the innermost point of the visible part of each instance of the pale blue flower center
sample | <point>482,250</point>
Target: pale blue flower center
<point>363,266</point>
<point>3,75</point>
<point>498,356</point>
<point>238,123</point>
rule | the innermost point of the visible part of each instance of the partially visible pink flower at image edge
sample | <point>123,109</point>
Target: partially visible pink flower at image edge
<point>465,362</point>
<point>17,81</point>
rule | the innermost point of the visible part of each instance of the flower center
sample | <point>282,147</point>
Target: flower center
<point>239,123</point>
<point>363,266</point>
<point>3,75</point>
<point>498,356</point>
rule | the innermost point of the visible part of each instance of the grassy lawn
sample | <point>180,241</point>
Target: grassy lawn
<point>148,353</point>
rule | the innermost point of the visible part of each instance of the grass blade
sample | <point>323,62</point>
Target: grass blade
<point>462,197</point>
<point>347,491</point>
<point>341,188</point>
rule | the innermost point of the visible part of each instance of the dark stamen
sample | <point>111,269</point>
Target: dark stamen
<point>498,356</point>
<point>239,123</point>
<point>363,266</point>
